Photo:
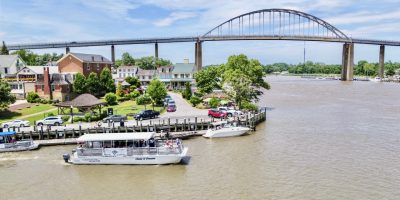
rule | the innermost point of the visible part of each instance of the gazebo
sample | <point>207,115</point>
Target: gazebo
<point>82,102</point>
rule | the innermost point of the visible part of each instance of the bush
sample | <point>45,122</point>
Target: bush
<point>195,100</point>
<point>214,102</point>
<point>79,119</point>
<point>134,94</point>
<point>44,101</point>
<point>249,106</point>
<point>111,99</point>
<point>51,115</point>
<point>32,97</point>
<point>65,118</point>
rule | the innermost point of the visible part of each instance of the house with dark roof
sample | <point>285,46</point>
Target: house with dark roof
<point>56,86</point>
<point>83,63</point>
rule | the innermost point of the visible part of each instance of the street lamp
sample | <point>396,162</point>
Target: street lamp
<point>72,114</point>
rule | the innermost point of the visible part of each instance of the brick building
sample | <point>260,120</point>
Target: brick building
<point>83,63</point>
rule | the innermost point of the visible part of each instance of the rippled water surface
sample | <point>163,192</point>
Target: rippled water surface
<point>322,140</point>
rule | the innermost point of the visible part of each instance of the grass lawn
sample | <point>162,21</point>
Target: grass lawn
<point>36,108</point>
<point>130,107</point>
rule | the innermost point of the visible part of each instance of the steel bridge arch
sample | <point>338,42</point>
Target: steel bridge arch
<point>300,26</point>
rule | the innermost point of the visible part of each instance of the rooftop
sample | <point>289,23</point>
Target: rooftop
<point>83,100</point>
<point>115,136</point>
<point>184,68</point>
<point>7,60</point>
<point>88,58</point>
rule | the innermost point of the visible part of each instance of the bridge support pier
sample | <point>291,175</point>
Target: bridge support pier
<point>112,54</point>
<point>382,61</point>
<point>67,50</point>
<point>198,55</point>
<point>156,50</point>
<point>347,62</point>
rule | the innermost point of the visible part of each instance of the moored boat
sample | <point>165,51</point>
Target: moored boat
<point>8,143</point>
<point>223,129</point>
<point>126,148</point>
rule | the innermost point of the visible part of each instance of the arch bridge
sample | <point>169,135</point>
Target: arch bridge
<point>266,24</point>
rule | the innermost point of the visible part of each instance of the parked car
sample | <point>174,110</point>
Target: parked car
<point>115,118</point>
<point>167,99</point>
<point>15,123</point>
<point>55,120</point>
<point>217,113</point>
<point>171,108</point>
<point>147,114</point>
<point>171,102</point>
<point>230,112</point>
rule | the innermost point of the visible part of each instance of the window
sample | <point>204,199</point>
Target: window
<point>182,76</point>
<point>120,70</point>
<point>149,77</point>
<point>53,87</point>
<point>88,66</point>
<point>129,70</point>
<point>120,75</point>
<point>20,86</point>
<point>42,87</point>
<point>5,70</point>
<point>98,67</point>
<point>124,70</point>
<point>142,77</point>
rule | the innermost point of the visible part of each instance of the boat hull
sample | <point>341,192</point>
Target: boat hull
<point>128,160</point>
<point>15,149</point>
<point>228,132</point>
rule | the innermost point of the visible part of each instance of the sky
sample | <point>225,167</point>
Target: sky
<point>31,21</point>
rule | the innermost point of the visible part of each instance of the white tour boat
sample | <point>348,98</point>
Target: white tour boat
<point>126,148</point>
<point>8,143</point>
<point>223,129</point>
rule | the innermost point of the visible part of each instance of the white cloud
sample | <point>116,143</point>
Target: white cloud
<point>175,16</point>
<point>363,17</point>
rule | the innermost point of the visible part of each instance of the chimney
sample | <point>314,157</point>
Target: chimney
<point>46,81</point>
<point>92,58</point>
<point>102,59</point>
<point>186,61</point>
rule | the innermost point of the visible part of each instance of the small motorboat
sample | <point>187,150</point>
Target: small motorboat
<point>224,129</point>
<point>8,143</point>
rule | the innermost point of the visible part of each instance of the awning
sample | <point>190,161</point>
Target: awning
<point>115,136</point>
<point>7,133</point>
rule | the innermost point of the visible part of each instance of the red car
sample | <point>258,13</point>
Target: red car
<point>171,108</point>
<point>216,113</point>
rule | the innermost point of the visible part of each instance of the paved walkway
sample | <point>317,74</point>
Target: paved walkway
<point>183,108</point>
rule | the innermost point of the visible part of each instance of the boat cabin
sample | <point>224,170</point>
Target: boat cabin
<point>7,138</point>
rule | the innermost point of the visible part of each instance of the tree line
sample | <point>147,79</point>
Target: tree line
<point>362,68</point>
<point>147,62</point>
<point>93,84</point>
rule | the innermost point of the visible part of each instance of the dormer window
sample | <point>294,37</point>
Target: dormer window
<point>88,66</point>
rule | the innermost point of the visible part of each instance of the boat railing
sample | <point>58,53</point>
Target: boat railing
<point>131,151</point>
<point>18,144</point>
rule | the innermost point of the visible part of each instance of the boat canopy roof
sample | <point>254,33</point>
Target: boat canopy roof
<point>7,133</point>
<point>115,136</point>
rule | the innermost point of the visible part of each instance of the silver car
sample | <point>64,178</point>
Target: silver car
<point>15,123</point>
<point>56,121</point>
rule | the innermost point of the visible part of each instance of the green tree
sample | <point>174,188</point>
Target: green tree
<point>106,80</point>
<point>143,100</point>
<point>163,62</point>
<point>194,100</point>
<point>390,72</point>
<point>187,93</point>
<point>93,84</point>
<point>120,91</point>
<point>6,98</point>
<point>243,78</point>
<point>133,81</point>
<point>214,102</point>
<point>127,59</point>
<point>4,50</point>
<point>208,79</point>
<point>111,99</point>
<point>27,56</point>
<point>32,97</point>
<point>157,91</point>
<point>147,62</point>
<point>79,85</point>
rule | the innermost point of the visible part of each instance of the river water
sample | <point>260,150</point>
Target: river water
<point>322,140</point>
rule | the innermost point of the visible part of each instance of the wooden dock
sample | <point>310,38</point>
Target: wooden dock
<point>184,129</point>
